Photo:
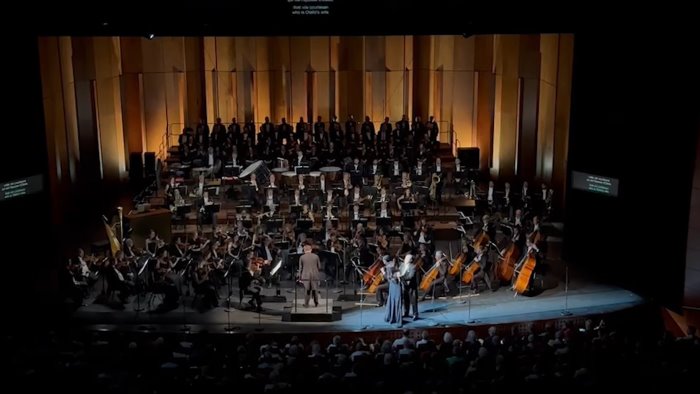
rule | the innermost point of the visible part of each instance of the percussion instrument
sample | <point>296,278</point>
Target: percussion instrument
<point>289,177</point>
<point>331,172</point>
<point>259,168</point>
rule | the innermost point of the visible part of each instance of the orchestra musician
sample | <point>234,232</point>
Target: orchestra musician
<point>407,196</point>
<point>439,287</point>
<point>250,286</point>
<point>152,242</point>
<point>484,274</point>
<point>309,273</point>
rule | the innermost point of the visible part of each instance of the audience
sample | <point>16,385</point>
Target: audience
<point>556,358</point>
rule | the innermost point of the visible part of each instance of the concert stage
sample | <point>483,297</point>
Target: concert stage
<point>585,298</point>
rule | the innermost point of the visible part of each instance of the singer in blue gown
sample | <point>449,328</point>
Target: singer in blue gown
<point>394,304</point>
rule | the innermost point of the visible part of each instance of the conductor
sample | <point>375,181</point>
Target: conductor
<point>310,267</point>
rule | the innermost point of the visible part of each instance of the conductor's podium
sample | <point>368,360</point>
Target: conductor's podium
<point>324,312</point>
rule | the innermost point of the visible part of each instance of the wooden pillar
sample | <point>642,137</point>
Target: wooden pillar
<point>484,81</point>
<point>506,105</point>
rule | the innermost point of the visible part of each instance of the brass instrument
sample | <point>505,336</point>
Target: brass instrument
<point>433,186</point>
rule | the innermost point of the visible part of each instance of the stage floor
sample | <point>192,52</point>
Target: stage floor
<point>584,297</point>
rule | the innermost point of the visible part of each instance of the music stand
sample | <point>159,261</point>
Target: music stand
<point>272,225</point>
<point>304,169</point>
<point>361,220</point>
<point>304,224</point>
<point>384,222</point>
<point>409,205</point>
<point>139,288</point>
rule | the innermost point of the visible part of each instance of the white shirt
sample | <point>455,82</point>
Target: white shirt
<point>396,168</point>
<point>356,215</point>
<point>323,184</point>
<point>419,169</point>
<point>211,159</point>
<point>83,267</point>
<point>544,194</point>
<point>507,192</point>
<point>355,167</point>
<point>374,169</point>
<point>490,197</point>
<point>270,201</point>
<point>517,221</point>
<point>383,213</point>
<point>421,238</point>
<point>296,200</point>
<point>524,192</point>
<point>438,168</point>
<point>234,162</point>
<point>299,160</point>
<point>357,195</point>
<point>457,165</point>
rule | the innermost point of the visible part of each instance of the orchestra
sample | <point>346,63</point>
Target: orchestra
<point>331,189</point>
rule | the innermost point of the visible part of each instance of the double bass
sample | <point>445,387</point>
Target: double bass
<point>526,267</point>
<point>506,266</point>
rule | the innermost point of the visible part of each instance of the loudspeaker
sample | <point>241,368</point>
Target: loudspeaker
<point>468,157</point>
<point>135,166</point>
<point>149,165</point>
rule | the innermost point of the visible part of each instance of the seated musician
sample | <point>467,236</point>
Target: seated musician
<point>129,250</point>
<point>71,284</point>
<point>384,210</point>
<point>251,286</point>
<point>383,197</point>
<point>117,278</point>
<point>266,251</point>
<point>270,201</point>
<point>406,180</point>
<point>506,196</point>
<point>170,190</point>
<point>356,171</point>
<point>374,170</point>
<point>407,246</point>
<point>407,196</point>
<point>151,242</point>
<point>204,286</point>
<point>356,196</point>
<point>424,237</point>
<point>306,213</point>
<point>518,218</point>
<point>484,274</point>
<point>489,195</point>
<point>322,180</point>
<point>85,270</point>
<point>355,212</point>
<point>439,287</point>
<point>347,184</point>
<point>179,248</point>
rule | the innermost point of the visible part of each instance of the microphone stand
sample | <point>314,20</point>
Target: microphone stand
<point>566,311</point>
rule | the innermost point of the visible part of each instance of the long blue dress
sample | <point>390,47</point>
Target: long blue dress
<point>394,306</point>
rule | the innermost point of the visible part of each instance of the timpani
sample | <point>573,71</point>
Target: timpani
<point>331,173</point>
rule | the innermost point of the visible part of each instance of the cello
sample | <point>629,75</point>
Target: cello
<point>471,269</point>
<point>526,267</point>
<point>456,266</point>
<point>372,272</point>
<point>429,277</point>
<point>506,267</point>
